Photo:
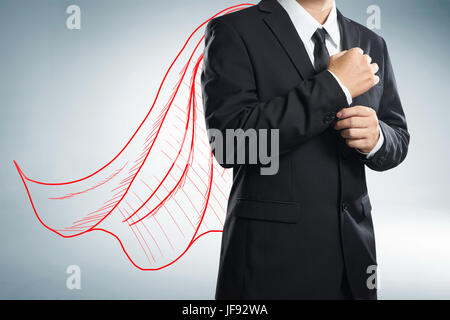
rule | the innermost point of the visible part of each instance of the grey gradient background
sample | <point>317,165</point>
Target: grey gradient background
<point>69,100</point>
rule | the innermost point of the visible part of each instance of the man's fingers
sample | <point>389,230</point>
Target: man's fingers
<point>374,67</point>
<point>369,58</point>
<point>357,143</point>
<point>352,122</point>
<point>359,111</point>
<point>358,50</point>
<point>340,54</point>
<point>354,133</point>
<point>376,79</point>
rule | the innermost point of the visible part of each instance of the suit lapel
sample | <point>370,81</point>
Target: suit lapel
<point>350,36</point>
<point>282,27</point>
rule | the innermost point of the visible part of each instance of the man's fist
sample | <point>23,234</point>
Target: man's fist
<point>359,127</point>
<point>355,70</point>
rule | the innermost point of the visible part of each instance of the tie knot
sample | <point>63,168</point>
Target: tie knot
<point>319,36</point>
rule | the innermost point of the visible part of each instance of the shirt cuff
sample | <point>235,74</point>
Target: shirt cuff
<point>377,146</point>
<point>344,88</point>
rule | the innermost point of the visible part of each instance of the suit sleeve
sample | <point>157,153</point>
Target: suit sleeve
<point>231,101</point>
<point>392,122</point>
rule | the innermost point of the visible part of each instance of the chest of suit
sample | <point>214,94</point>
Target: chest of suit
<point>284,63</point>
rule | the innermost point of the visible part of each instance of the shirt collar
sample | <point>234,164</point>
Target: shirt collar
<point>306,25</point>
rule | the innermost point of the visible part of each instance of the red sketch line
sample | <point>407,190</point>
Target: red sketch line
<point>131,227</point>
<point>148,231</point>
<point>227,10</point>
<point>181,147</point>
<point>70,195</point>
<point>126,183</point>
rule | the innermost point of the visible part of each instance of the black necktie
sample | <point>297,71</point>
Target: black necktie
<point>321,55</point>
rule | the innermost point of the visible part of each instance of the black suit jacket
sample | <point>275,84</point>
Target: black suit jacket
<point>294,234</point>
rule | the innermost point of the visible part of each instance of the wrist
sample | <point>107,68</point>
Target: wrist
<point>344,88</point>
<point>373,144</point>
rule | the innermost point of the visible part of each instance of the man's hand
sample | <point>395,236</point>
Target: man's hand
<point>359,127</point>
<point>354,69</point>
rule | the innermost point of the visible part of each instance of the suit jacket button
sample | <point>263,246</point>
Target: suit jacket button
<point>345,206</point>
<point>328,118</point>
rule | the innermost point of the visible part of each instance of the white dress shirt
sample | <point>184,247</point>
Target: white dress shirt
<point>306,25</point>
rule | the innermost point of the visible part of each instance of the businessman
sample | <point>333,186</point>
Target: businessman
<point>326,84</point>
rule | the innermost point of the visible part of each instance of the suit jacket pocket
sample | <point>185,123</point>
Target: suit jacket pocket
<point>360,208</point>
<point>275,211</point>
